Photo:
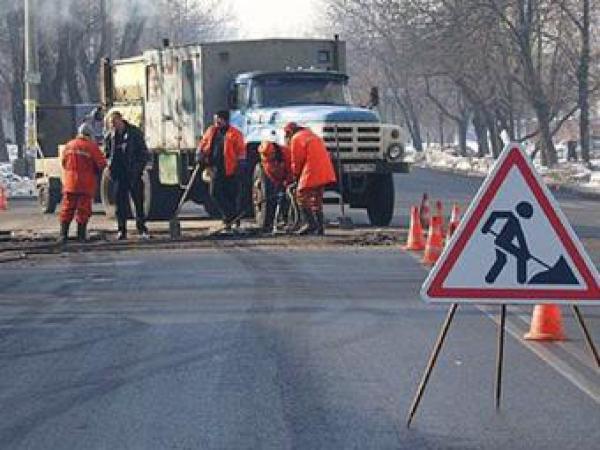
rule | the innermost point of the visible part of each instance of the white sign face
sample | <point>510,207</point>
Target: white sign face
<point>514,245</point>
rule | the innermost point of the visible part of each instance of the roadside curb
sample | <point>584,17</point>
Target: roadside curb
<point>569,188</point>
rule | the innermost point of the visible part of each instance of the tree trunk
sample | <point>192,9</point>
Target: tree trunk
<point>583,82</point>
<point>415,124</point>
<point>3,149</point>
<point>462,127</point>
<point>441,130</point>
<point>549,157</point>
<point>482,134</point>
<point>495,140</point>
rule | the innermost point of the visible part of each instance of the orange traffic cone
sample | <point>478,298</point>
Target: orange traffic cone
<point>3,200</point>
<point>546,324</point>
<point>435,241</point>
<point>416,240</point>
<point>454,221</point>
<point>424,211</point>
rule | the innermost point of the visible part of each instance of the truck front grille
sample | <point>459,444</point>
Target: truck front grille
<point>346,139</point>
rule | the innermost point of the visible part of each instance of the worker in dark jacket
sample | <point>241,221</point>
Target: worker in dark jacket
<point>127,153</point>
<point>81,161</point>
<point>222,148</point>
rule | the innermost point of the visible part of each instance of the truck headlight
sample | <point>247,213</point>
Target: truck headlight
<point>395,152</point>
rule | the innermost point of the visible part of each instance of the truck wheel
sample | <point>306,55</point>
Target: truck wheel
<point>380,196</point>
<point>264,204</point>
<point>199,195</point>
<point>47,199</point>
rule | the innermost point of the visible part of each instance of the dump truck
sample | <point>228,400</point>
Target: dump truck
<point>173,92</point>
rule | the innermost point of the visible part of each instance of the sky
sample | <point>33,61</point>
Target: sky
<point>275,18</point>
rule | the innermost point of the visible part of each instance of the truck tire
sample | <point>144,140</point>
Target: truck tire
<point>48,199</point>
<point>262,198</point>
<point>199,195</point>
<point>380,199</point>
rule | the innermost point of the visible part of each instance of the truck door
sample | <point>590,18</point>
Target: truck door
<point>238,100</point>
<point>188,104</point>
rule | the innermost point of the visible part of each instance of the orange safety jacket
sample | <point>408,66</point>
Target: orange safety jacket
<point>81,161</point>
<point>311,163</point>
<point>234,148</point>
<point>277,163</point>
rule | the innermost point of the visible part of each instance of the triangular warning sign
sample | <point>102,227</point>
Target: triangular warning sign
<point>514,245</point>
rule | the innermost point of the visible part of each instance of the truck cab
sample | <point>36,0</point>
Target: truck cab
<point>364,151</point>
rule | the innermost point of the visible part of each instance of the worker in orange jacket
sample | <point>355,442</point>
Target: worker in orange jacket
<point>81,161</point>
<point>276,161</point>
<point>222,148</point>
<point>312,168</point>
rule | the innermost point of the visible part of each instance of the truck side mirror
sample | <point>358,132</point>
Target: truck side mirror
<point>374,97</point>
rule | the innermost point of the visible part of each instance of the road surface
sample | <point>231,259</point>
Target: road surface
<point>272,347</point>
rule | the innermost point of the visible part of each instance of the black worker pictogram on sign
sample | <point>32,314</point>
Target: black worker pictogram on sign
<point>514,245</point>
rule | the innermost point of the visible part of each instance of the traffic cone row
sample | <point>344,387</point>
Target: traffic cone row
<point>420,218</point>
<point>3,199</point>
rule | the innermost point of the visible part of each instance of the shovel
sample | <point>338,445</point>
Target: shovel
<point>174,225</point>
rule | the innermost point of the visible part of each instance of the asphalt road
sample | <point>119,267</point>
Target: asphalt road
<point>235,348</point>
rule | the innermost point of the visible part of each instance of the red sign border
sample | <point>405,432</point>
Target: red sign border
<point>515,158</point>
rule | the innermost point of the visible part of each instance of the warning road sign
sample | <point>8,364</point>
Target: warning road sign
<point>514,245</point>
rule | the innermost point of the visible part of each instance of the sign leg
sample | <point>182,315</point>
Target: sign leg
<point>432,360</point>
<point>586,332</point>
<point>500,355</point>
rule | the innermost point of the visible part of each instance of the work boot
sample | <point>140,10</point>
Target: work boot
<point>81,232</point>
<point>122,235</point>
<point>64,232</point>
<point>142,229</point>
<point>320,223</point>
<point>309,223</point>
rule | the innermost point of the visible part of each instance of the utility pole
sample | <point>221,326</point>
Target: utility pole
<point>32,80</point>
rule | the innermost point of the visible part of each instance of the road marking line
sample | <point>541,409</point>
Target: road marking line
<point>578,352</point>
<point>563,368</point>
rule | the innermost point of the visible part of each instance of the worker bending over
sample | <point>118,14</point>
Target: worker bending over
<point>312,168</point>
<point>276,161</point>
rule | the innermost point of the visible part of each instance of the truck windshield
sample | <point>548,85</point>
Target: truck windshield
<point>299,91</point>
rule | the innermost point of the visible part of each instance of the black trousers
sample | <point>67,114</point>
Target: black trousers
<point>124,190</point>
<point>224,192</point>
